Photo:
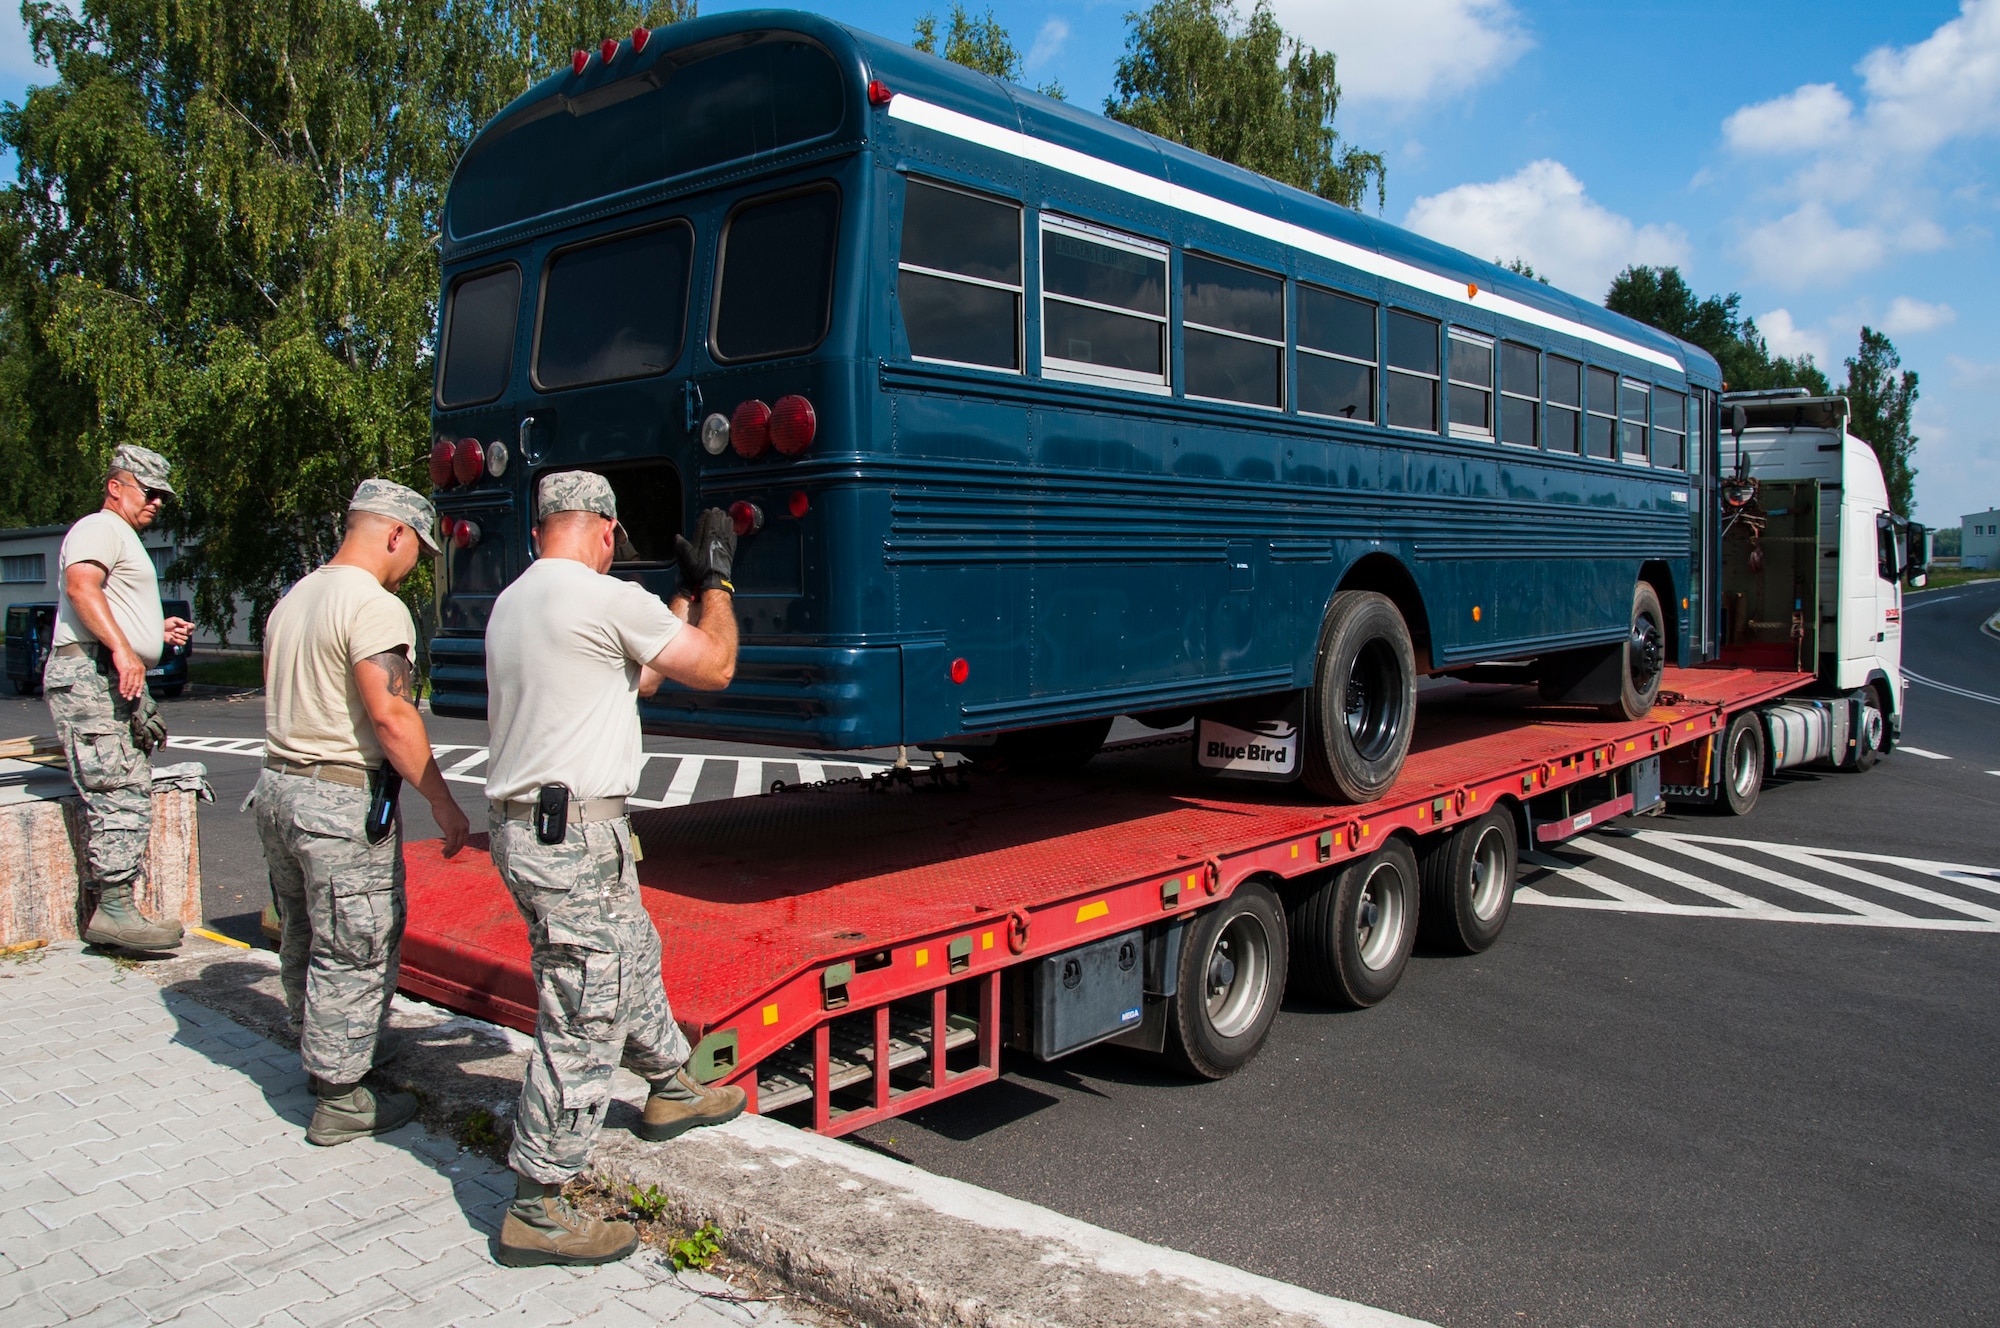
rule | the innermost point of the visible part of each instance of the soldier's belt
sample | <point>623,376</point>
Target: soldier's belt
<point>331,772</point>
<point>580,809</point>
<point>79,650</point>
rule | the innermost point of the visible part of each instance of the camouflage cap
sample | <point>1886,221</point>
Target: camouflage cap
<point>142,464</point>
<point>390,499</point>
<point>583,491</point>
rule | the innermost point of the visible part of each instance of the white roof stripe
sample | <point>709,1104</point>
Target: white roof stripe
<point>965,128</point>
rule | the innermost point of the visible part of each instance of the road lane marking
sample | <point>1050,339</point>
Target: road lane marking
<point>1900,921</point>
<point>1584,876</point>
<point>1861,876</point>
<point>1918,751</point>
<point>1909,604</point>
<point>1765,874</point>
<point>1921,680</point>
<point>1722,894</point>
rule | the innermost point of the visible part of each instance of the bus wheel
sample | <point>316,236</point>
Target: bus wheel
<point>1232,976</point>
<point>1353,934</point>
<point>1057,749</point>
<point>1742,763</point>
<point>1468,878</point>
<point>1645,656</point>
<point>1363,704</point>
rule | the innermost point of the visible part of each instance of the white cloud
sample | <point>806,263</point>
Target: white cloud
<point>1049,43</point>
<point>1813,117</point>
<point>1408,51</point>
<point>1809,244</point>
<point>1907,315</point>
<point>1946,86</point>
<point>1972,373</point>
<point>1542,214</point>
<point>1787,338</point>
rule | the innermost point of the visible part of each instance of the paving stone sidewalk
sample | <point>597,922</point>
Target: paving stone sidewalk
<point>156,1171</point>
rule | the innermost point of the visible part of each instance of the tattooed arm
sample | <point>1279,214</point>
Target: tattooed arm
<point>388,685</point>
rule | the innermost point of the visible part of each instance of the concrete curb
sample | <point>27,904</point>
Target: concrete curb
<point>893,1243</point>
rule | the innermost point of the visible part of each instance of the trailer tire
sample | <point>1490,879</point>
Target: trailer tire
<point>1742,772</point>
<point>1362,706</point>
<point>1468,875</point>
<point>1645,657</point>
<point>1054,750</point>
<point>1352,936</point>
<point>1232,977</point>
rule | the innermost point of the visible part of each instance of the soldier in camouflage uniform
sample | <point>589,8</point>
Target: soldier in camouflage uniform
<point>568,652</point>
<point>109,631</point>
<point>341,728</point>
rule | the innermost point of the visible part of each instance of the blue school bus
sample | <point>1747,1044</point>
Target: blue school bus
<point>1029,420</point>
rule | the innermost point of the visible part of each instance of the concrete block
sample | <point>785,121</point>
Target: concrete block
<point>41,846</point>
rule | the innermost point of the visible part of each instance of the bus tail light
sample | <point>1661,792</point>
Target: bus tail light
<point>608,48</point>
<point>448,526</point>
<point>960,671</point>
<point>715,434</point>
<point>465,534</point>
<point>496,458</point>
<point>793,425</point>
<point>468,459</point>
<point>640,36</point>
<point>579,60</point>
<point>748,518</point>
<point>750,429</point>
<point>441,464</point>
<point>798,504</point>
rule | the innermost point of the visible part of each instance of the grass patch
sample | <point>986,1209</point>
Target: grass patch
<point>478,1129</point>
<point>227,670</point>
<point>1942,578</point>
<point>698,1249</point>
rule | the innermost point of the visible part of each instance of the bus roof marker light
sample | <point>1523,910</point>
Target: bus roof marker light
<point>746,517</point>
<point>960,671</point>
<point>440,464</point>
<point>1472,289</point>
<point>468,459</point>
<point>579,60</point>
<point>750,429</point>
<point>640,36</point>
<point>715,434</point>
<point>793,425</point>
<point>608,48</point>
<point>878,93</point>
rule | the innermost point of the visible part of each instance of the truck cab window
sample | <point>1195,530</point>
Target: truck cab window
<point>478,352</point>
<point>614,309</point>
<point>958,283</point>
<point>774,294</point>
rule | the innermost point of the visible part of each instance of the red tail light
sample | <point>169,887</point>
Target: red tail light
<point>448,526</point>
<point>960,671</point>
<point>640,36</point>
<point>750,428</point>
<point>878,93</point>
<point>793,425</point>
<point>608,48</point>
<point>580,60</point>
<point>441,464</point>
<point>798,504</point>
<point>465,534</point>
<point>746,517</point>
<point>468,460</point>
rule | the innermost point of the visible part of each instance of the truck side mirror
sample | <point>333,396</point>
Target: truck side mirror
<point>1918,565</point>
<point>1739,420</point>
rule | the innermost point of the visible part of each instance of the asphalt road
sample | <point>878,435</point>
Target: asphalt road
<point>1627,1112</point>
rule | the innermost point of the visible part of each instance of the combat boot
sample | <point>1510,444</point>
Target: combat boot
<point>679,1104</point>
<point>542,1228</point>
<point>118,921</point>
<point>348,1112</point>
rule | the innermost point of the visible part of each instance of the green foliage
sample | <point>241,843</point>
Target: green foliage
<point>477,1129</point>
<point>1661,296</point>
<point>1521,267</point>
<point>1946,541</point>
<point>1241,92</point>
<point>976,43</point>
<point>227,670</point>
<point>698,1249</point>
<point>1879,401</point>
<point>649,1204</point>
<point>222,245</point>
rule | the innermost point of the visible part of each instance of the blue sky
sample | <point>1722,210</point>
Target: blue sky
<point>1834,162</point>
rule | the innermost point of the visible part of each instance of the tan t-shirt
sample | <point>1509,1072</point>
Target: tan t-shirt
<point>563,651</point>
<point>132,588</point>
<point>326,624</point>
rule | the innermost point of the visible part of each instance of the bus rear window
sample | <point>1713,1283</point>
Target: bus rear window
<point>479,337</point>
<point>693,109</point>
<point>614,309</point>
<point>775,293</point>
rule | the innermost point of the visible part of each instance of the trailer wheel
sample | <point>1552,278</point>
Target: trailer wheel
<point>1353,934</point>
<point>1468,878</point>
<point>1362,706</point>
<point>1232,976</point>
<point>1645,656</point>
<point>1056,749</point>
<point>1742,763</point>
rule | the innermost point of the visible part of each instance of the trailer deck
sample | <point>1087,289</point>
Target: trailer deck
<point>842,946</point>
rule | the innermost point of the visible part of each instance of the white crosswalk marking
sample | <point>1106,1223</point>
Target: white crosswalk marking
<point>1630,872</point>
<point>1908,750</point>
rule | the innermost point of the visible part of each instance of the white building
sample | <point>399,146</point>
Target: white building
<point>28,562</point>
<point>1979,540</point>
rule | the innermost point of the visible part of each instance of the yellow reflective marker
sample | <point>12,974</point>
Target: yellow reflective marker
<point>1631,746</point>
<point>770,1015</point>
<point>923,957</point>
<point>1099,909</point>
<point>1295,850</point>
<point>986,941</point>
<point>1365,830</point>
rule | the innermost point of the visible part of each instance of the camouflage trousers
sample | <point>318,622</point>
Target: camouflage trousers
<point>597,982</point>
<point>341,910</point>
<point>115,778</point>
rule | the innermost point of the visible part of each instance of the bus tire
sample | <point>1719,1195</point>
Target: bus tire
<point>1645,656</point>
<point>1056,749</point>
<point>1352,936</point>
<point>1362,707</point>
<point>1232,977</point>
<point>1742,772</point>
<point>1468,876</point>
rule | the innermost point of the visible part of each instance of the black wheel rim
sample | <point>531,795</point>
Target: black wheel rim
<point>1372,704</point>
<point>1645,652</point>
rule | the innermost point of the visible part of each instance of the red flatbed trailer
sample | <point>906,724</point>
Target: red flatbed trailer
<point>843,946</point>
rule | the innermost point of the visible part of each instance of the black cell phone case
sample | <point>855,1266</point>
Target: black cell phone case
<point>552,813</point>
<point>382,807</point>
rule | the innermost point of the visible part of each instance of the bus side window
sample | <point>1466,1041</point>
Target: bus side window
<point>1413,372</point>
<point>1520,394</point>
<point>774,295</point>
<point>1669,429</point>
<point>1471,385</point>
<point>1104,306</point>
<point>1233,332</point>
<point>1634,409</point>
<point>1565,402</point>
<point>1337,355</point>
<point>958,283</point>
<point>1601,438</point>
<point>478,349</point>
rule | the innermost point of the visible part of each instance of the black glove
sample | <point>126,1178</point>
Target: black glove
<point>715,549</point>
<point>149,731</point>
<point>693,570</point>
